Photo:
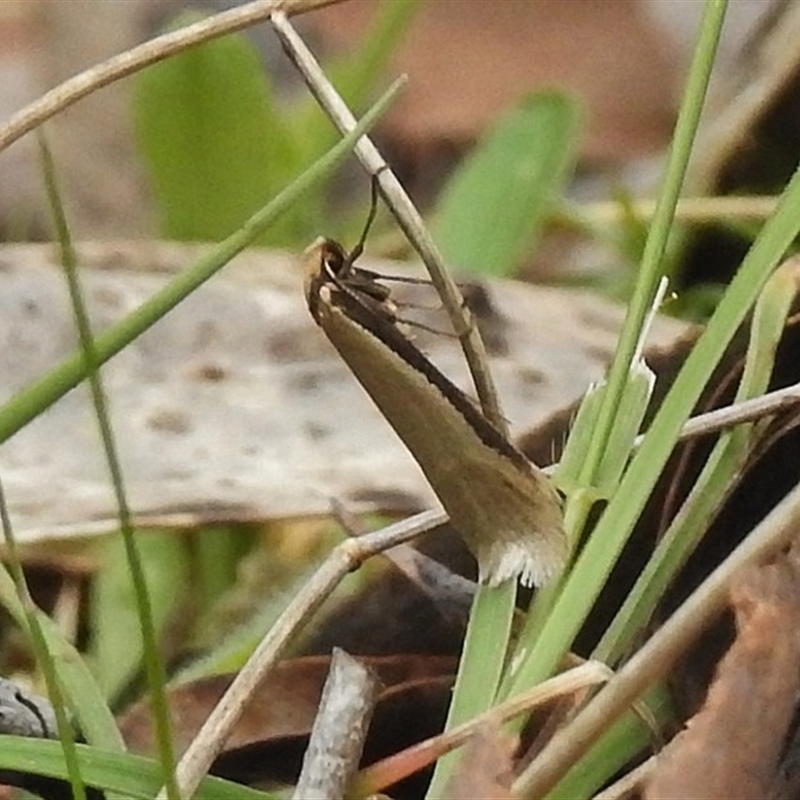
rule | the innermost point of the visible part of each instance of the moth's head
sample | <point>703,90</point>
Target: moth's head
<point>323,261</point>
<point>326,259</point>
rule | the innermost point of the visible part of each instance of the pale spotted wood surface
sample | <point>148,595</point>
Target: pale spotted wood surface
<point>235,407</point>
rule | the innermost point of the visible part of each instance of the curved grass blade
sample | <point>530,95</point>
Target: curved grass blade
<point>32,401</point>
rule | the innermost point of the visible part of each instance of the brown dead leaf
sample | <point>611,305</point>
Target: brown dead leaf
<point>485,771</point>
<point>469,61</point>
<point>732,747</point>
<point>284,705</point>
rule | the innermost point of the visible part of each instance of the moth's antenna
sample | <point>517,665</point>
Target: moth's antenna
<point>373,210</point>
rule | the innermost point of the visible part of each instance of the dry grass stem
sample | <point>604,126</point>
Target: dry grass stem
<point>404,211</point>
<point>586,675</point>
<point>654,660</point>
<point>697,210</point>
<point>629,786</point>
<point>739,413</point>
<point>346,557</point>
<point>137,58</point>
<point>730,416</point>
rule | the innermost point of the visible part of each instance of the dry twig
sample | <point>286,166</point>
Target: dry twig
<point>340,729</point>
<point>120,66</point>
<point>660,652</point>
<point>346,557</point>
<point>406,214</point>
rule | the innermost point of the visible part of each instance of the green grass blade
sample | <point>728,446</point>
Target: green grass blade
<point>94,717</point>
<point>594,564</point>
<point>720,474</point>
<point>214,143</point>
<point>651,269</point>
<point>117,644</point>
<point>217,552</point>
<point>122,773</point>
<point>492,211</point>
<point>32,401</point>
<point>156,677</point>
<point>623,740</point>
<point>480,668</point>
<point>80,687</point>
<point>581,499</point>
<point>613,529</point>
<point>354,75</point>
<point>633,405</point>
<point>43,657</point>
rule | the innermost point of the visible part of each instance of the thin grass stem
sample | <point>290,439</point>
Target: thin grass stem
<point>154,667</point>
<point>43,657</point>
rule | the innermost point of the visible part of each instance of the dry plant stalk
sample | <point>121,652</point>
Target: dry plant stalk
<point>346,557</point>
<point>629,786</point>
<point>735,414</point>
<point>137,58</point>
<point>694,210</point>
<point>406,215</point>
<point>654,660</point>
<point>340,729</point>
<point>377,776</point>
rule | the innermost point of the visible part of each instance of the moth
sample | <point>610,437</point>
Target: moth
<point>504,507</point>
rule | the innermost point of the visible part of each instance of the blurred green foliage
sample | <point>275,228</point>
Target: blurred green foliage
<point>491,212</point>
<point>218,141</point>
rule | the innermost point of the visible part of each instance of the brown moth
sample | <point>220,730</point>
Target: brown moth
<point>505,507</point>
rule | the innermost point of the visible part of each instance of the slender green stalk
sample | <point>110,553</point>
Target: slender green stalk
<point>650,271</point>
<point>600,553</point>
<point>32,401</point>
<point>43,657</point>
<point>721,473</point>
<point>154,668</point>
<point>595,562</point>
<point>479,670</point>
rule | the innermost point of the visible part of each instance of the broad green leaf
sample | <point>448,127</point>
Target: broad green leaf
<point>117,646</point>
<point>491,212</point>
<point>212,138</point>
